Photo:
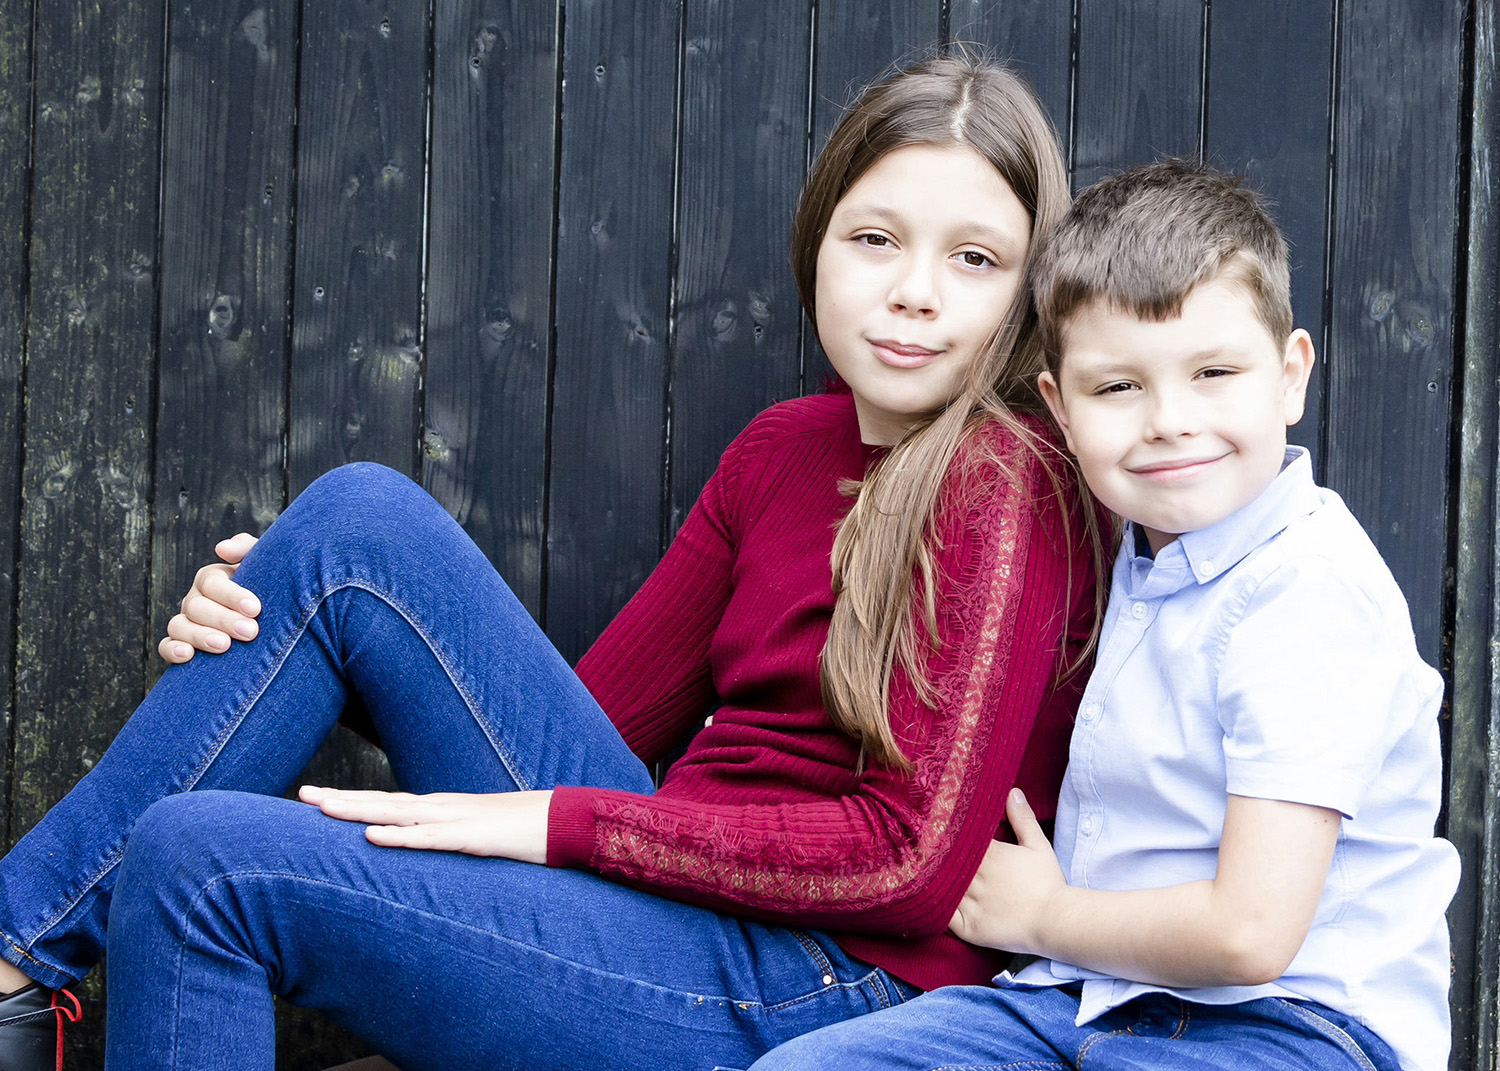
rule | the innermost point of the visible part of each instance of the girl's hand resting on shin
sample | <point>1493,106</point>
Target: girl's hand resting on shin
<point>510,825</point>
<point>215,611</point>
<point>1014,888</point>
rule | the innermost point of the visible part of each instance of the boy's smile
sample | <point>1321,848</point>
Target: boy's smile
<point>1178,424</point>
<point>921,260</point>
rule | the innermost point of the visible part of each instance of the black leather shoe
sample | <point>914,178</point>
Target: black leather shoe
<point>31,1027</point>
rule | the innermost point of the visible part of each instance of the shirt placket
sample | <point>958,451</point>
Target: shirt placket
<point>1093,729</point>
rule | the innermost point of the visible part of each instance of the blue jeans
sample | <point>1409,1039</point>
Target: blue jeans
<point>210,901</point>
<point>966,1028</point>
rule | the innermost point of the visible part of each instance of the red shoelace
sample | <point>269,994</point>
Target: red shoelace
<point>72,1014</point>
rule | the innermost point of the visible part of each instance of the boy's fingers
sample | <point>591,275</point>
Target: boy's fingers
<point>1022,819</point>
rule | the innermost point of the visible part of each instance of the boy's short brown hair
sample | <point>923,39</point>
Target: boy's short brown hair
<point>1140,241</point>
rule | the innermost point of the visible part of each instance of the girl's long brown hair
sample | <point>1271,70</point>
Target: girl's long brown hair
<point>882,554</point>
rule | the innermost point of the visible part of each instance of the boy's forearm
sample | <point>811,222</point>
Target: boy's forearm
<point>1180,936</point>
<point>1242,927</point>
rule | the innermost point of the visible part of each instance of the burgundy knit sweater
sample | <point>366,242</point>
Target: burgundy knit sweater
<point>766,815</point>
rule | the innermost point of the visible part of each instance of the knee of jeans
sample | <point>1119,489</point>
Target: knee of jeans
<point>354,507</point>
<point>184,841</point>
<point>362,492</point>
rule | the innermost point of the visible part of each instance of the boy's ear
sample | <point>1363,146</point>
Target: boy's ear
<point>1296,370</point>
<point>1052,395</point>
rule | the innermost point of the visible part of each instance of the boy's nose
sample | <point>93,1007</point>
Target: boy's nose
<point>1171,416</point>
<point>915,290</point>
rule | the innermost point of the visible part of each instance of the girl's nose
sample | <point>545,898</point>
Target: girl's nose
<point>915,291</point>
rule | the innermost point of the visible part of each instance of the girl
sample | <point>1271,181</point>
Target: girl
<point>885,588</point>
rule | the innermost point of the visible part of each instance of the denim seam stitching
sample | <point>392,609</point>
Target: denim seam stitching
<point>1014,1065</point>
<point>26,953</point>
<point>814,952</point>
<point>1096,1038</point>
<point>449,670</point>
<point>1335,1033</point>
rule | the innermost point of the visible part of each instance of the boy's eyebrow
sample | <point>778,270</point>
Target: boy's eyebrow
<point>973,229</point>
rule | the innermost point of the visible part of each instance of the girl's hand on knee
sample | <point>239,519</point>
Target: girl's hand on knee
<point>509,825</point>
<point>215,611</point>
<point>1014,887</point>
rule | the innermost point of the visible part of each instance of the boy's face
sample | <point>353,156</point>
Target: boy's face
<point>1178,424</point>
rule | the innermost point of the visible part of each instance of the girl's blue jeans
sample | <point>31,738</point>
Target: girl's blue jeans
<point>211,893</point>
<point>981,1028</point>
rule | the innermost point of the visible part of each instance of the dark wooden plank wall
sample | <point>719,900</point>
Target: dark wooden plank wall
<point>15,193</point>
<point>1473,820</point>
<point>89,401</point>
<point>534,254</point>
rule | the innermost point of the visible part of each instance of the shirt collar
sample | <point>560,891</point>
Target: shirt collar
<point>1205,554</point>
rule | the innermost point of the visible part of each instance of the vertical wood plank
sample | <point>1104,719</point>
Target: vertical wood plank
<point>489,279</point>
<point>1274,130</point>
<point>356,361</point>
<point>361,169</point>
<point>1034,35</point>
<point>856,42</point>
<point>744,114</point>
<point>613,291</point>
<point>15,211</point>
<point>226,268</point>
<point>1139,84</point>
<point>1389,363</point>
<point>86,480</point>
<point>1473,818</point>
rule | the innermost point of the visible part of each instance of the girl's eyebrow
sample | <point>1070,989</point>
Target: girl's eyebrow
<point>972,230</point>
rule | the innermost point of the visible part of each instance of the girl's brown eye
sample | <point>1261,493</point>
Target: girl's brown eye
<point>975,260</point>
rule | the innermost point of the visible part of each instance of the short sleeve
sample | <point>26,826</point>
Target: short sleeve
<point>1314,688</point>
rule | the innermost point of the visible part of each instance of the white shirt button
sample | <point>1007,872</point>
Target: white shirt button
<point>1090,710</point>
<point>1139,610</point>
<point>1087,825</point>
<point>1206,567</point>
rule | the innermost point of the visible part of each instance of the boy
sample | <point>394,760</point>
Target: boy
<point>1246,875</point>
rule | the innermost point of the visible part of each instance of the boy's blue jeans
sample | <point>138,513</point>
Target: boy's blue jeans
<point>214,900</point>
<point>968,1028</point>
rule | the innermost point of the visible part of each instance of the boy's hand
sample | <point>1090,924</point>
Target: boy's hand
<point>215,610</point>
<point>1242,927</point>
<point>1014,886</point>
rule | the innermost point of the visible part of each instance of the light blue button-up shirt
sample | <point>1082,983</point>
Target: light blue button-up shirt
<point>1270,655</point>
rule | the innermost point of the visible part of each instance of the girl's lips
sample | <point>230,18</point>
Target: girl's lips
<point>902,355</point>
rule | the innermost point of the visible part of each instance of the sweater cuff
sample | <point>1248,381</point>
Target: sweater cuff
<point>570,827</point>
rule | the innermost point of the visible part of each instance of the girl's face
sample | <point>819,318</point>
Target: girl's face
<point>919,264</point>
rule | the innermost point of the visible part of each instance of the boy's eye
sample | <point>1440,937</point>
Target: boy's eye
<point>1215,373</point>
